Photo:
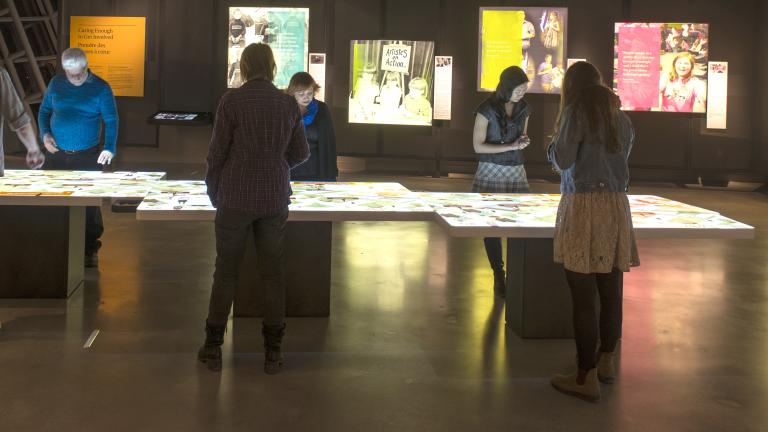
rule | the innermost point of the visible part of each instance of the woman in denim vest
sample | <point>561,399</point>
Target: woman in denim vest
<point>499,138</point>
<point>594,239</point>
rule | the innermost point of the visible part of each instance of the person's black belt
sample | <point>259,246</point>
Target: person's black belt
<point>74,152</point>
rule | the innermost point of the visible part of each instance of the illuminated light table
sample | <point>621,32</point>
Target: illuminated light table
<point>42,224</point>
<point>307,246</point>
<point>538,302</point>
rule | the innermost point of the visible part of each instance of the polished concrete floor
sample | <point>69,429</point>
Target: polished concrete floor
<point>415,341</point>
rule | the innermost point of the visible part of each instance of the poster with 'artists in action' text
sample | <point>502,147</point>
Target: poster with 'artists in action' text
<point>391,82</point>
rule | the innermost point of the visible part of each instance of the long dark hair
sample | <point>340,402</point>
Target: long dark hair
<point>585,91</point>
<point>509,80</point>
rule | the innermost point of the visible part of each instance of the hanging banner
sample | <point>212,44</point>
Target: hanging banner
<point>317,70</point>
<point>443,87</point>
<point>717,101</point>
<point>115,50</point>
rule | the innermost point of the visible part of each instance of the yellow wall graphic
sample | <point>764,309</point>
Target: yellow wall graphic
<point>115,50</point>
<point>501,40</point>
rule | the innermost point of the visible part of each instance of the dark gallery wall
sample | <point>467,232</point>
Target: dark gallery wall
<point>186,52</point>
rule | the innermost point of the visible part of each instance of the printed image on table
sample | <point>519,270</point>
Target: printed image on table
<point>661,66</point>
<point>391,82</point>
<point>285,30</point>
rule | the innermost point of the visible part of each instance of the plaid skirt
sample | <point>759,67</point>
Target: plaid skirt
<point>492,178</point>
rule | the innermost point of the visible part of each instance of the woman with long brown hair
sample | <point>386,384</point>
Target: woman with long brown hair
<point>594,239</point>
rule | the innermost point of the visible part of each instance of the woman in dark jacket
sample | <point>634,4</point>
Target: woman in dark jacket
<point>318,127</point>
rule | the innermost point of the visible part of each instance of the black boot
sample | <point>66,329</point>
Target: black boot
<point>273,356</point>
<point>210,352</point>
<point>499,284</point>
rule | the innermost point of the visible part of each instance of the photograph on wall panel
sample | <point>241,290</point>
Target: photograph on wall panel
<point>285,30</point>
<point>661,66</point>
<point>533,38</point>
<point>391,82</point>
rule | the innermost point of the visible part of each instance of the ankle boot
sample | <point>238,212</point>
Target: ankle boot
<point>210,352</point>
<point>499,284</point>
<point>568,384</point>
<point>273,355</point>
<point>606,372</point>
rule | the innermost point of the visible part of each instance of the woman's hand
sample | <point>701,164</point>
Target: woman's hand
<point>521,143</point>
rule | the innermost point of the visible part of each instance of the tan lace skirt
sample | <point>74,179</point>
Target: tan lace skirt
<point>594,233</point>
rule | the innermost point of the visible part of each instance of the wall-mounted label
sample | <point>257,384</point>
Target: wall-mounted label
<point>443,87</point>
<point>317,70</point>
<point>115,50</point>
<point>572,61</point>
<point>717,89</point>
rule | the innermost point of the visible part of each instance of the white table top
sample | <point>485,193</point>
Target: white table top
<point>460,214</point>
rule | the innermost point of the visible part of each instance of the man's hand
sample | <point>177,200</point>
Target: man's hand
<point>50,143</point>
<point>35,159</point>
<point>105,158</point>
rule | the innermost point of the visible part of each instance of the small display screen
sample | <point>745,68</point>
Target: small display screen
<point>175,116</point>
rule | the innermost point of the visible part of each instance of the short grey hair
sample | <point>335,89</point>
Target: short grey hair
<point>74,58</point>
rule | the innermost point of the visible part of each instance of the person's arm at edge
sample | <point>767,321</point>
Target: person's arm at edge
<point>108,108</point>
<point>298,149</point>
<point>565,146</point>
<point>333,163</point>
<point>218,151</point>
<point>479,135</point>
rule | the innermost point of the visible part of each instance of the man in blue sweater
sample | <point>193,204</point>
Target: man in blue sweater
<point>71,116</point>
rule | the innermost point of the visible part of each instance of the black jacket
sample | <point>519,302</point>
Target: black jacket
<point>321,165</point>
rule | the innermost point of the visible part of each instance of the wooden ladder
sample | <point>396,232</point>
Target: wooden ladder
<point>28,50</point>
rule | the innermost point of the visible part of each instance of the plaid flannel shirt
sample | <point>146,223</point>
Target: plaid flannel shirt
<point>258,136</point>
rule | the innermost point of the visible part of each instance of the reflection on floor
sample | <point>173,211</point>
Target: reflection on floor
<point>415,340</point>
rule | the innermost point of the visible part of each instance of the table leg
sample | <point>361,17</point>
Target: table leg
<point>42,251</point>
<point>538,300</point>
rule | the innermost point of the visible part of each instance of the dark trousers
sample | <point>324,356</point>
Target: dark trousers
<point>493,250</point>
<point>81,161</point>
<point>586,323</point>
<point>231,235</point>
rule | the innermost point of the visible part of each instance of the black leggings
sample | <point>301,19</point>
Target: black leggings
<point>610,287</point>
<point>493,250</point>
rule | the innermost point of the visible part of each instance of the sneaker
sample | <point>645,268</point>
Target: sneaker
<point>568,384</point>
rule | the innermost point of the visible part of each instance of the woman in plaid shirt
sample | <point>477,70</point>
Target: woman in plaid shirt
<point>257,138</point>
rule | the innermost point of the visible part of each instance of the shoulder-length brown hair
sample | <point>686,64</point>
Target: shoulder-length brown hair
<point>301,81</point>
<point>257,62</point>
<point>585,91</point>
